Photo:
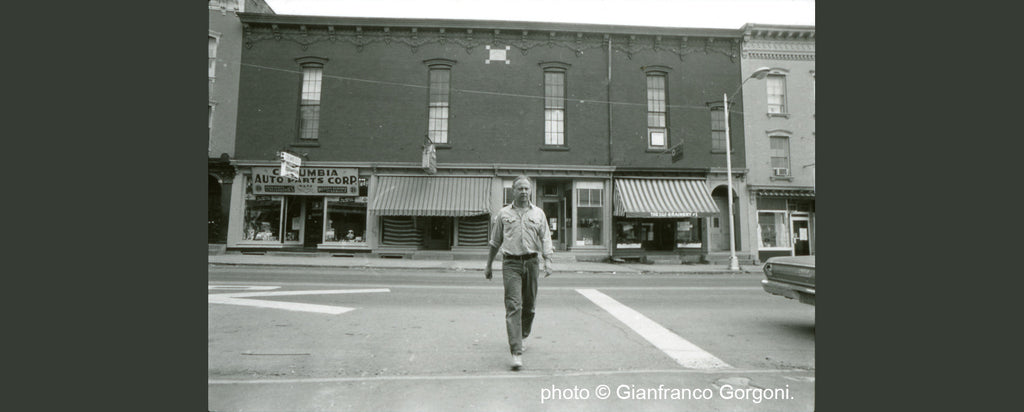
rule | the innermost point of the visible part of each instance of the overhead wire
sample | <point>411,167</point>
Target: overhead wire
<point>482,92</point>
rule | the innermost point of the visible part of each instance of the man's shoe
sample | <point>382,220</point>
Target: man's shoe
<point>517,362</point>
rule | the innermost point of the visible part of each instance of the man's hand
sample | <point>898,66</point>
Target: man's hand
<point>547,267</point>
<point>487,273</point>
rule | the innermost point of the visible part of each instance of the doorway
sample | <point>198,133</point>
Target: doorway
<point>313,233</point>
<point>554,196</point>
<point>801,236</point>
<point>437,232</point>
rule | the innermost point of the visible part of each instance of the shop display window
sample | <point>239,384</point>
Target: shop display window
<point>688,233</point>
<point>589,213</point>
<point>346,221</point>
<point>262,219</point>
<point>628,234</point>
<point>773,229</point>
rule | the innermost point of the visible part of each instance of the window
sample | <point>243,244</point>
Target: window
<point>718,129</point>
<point>440,86</point>
<point>657,132</point>
<point>309,105</point>
<point>776,94</point>
<point>780,155</point>
<point>439,99</point>
<point>589,202</point>
<point>773,229</point>
<point>554,107</point>
<point>214,38</point>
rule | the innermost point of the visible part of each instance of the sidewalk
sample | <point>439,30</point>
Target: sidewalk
<point>238,259</point>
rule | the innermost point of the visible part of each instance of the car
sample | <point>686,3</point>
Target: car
<point>791,277</point>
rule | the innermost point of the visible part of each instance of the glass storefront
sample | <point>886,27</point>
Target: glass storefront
<point>658,234</point>
<point>589,213</point>
<point>346,222</point>
<point>337,222</point>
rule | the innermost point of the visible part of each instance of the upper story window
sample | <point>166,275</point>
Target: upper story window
<point>657,109</point>
<point>214,40</point>
<point>780,156</point>
<point>439,100</point>
<point>718,129</point>
<point>554,103</point>
<point>776,84</point>
<point>309,101</point>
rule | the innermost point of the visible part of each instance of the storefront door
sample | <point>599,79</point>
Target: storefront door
<point>314,222</point>
<point>801,236</point>
<point>555,212</point>
<point>437,234</point>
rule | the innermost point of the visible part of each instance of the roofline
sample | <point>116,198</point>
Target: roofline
<point>257,18</point>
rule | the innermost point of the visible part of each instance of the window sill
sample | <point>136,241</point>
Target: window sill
<point>306,144</point>
<point>786,178</point>
<point>442,146</point>
<point>660,150</point>
<point>786,115</point>
<point>555,148</point>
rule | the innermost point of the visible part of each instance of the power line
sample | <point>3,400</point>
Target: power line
<point>526,96</point>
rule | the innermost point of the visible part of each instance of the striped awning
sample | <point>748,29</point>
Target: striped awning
<point>671,198</point>
<point>807,193</point>
<point>430,196</point>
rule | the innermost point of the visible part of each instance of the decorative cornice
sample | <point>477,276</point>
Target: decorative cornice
<point>306,35</point>
<point>778,42</point>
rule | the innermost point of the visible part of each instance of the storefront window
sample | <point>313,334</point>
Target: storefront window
<point>773,229</point>
<point>628,234</point>
<point>589,202</point>
<point>688,233</point>
<point>346,221</point>
<point>262,219</point>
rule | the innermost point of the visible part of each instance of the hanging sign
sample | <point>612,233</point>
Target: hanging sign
<point>290,164</point>
<point>429,157</point>
<point>311,181</point>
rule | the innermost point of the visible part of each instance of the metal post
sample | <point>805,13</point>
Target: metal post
<point>734,263</point>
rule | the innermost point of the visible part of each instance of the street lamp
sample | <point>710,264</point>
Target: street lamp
<point>760,73</point>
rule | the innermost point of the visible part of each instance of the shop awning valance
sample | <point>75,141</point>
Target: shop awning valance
<point>430,196</point>
<point>667,198</point>
<point>804,193</point>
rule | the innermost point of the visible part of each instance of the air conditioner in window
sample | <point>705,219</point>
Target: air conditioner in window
<point>781,171</point>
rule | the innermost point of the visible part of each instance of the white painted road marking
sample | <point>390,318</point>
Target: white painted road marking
<point>682,351</point>
<point>237,299</point>
<point>241,287</point>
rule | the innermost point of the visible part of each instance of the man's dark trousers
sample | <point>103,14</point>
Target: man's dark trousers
<point>520,279</point>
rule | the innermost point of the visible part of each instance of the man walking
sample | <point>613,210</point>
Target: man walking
<point>520,232</point>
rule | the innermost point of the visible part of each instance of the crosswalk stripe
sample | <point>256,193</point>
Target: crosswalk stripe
<point>681,350</point>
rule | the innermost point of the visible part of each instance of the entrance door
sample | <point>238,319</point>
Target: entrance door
<point>556,222</point>
<point>314,221</point>
<point>438,233</point>
<point>801,236</point>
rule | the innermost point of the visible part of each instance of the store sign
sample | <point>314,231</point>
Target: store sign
<point>661,214</point>
<point>290,165</point>
<point>311,181</point>
<point>429,158</point>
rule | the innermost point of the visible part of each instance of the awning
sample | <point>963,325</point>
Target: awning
<point>671,198</point>
<point>806,193</point>
<point>430,196</point>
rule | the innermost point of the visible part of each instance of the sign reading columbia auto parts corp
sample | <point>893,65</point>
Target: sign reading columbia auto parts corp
<point>312,181</point>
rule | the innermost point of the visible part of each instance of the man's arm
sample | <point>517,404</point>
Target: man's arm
<point>497,236</point>
<point>546,246</point>
<point>490,260</point>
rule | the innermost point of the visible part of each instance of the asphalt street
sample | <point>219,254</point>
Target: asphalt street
<point>326,339</point>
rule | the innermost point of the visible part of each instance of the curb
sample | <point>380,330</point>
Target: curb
<point>447,269</point>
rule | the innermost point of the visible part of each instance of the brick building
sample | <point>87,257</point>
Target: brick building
<point>618,126</point>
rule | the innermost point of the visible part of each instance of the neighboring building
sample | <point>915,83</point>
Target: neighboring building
<point>780,139</point>
<point>594,114</point>
<point>225,53</point>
